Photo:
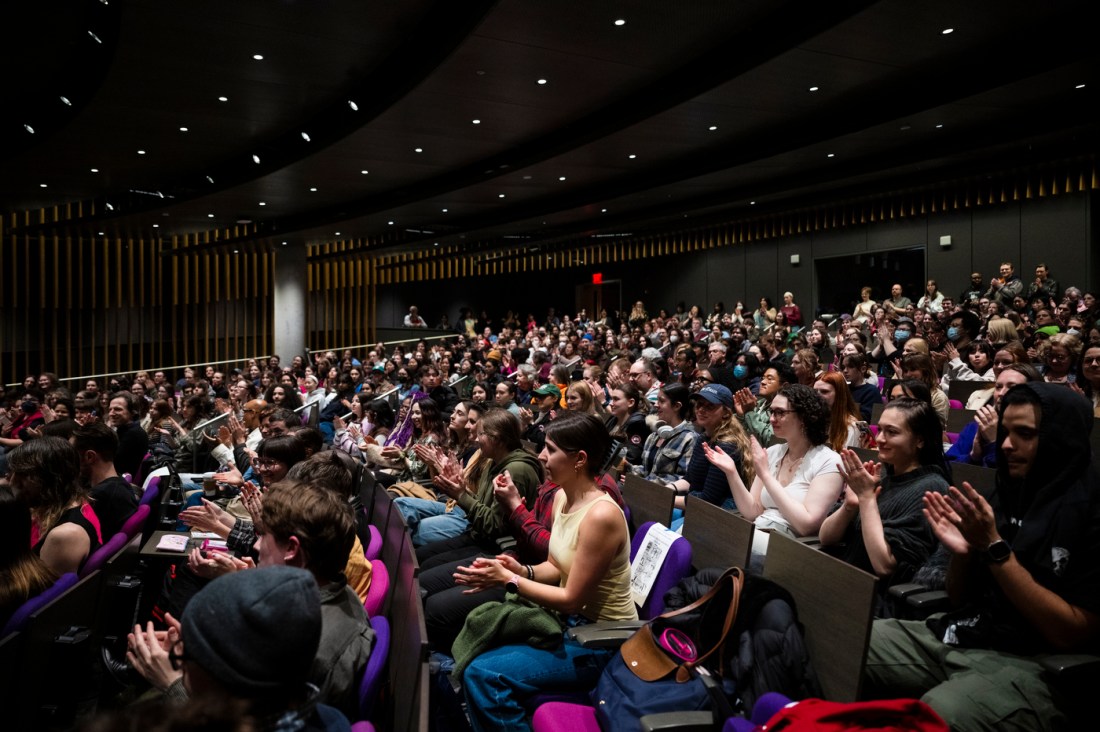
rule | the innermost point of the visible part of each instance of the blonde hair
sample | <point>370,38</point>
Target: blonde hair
<point>730,430</point>
<point>584,391</point>
<point>1001,330</point>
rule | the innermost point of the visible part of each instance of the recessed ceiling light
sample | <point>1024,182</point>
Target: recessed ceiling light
<point>500,195</point>
<point>752,203</point>
<point>305,136</point>
<point>561,177</point>
<point>475,121</point>
<point>109,206</point>
<point>365,172</point>
<point>527,177</point>
<point>209,216</point>
<point>620,21</point>
<point>95,170</point>
<point>389,223</point>
<point>156,226</point>
<point>263,203</point>
<point>43,185</point>
<point>444,210</point>
<point>258,56</point>
<point>354,108</point>
<point>95,37</point>
<point>337,234</point>
<point>101,233</point>
<point>541,81</point>
<point>66,102</point>
<point>1079,86</point>
<point>183,129</point>
<point>210,180</point>
<point>236,251</point>
<point>814,88</point>
<point>223,99</point>
<point>939,127</point>
<point>632,156</point>
<point>418,149</point>
<point>256,159</point>
<point>29,129</point>
<point>603,210</point>
<point>831,155</point>
<point>284,243</point>
<point>141,152</point>
<point>312,190</point>
<point>947,31</point>
<point>435,244</point>
<point>712,128</point>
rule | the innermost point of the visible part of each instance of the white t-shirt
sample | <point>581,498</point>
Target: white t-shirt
<point>819,460</point>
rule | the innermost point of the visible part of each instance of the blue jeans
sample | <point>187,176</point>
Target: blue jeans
<point>430,521</point>
<point>497,682</point>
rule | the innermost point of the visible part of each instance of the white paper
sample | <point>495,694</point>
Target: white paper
<point>649,560</point>
<point>204,535</point>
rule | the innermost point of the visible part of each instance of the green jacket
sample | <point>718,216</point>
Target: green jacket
<point>483,511</point>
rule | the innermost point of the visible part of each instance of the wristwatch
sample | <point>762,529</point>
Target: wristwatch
<point>997,552</point>
<point>512,585</point>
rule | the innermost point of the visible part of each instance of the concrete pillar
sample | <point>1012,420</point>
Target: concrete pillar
<point>291,301</point>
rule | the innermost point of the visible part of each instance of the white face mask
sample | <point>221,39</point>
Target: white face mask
<point>674,337</point>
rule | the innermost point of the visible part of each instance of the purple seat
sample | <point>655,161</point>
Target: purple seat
<point>136,522</point>
<point>151,491</point>
<point>379,587</point>
<point>373,549</point>
<point>19,618</point>
<point>102,554</point>
<point>955,404</point>
<point>362,727</point>
<point>677,565</point>
<point>373,674</point>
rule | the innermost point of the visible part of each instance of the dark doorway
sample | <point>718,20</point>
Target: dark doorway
<point>839,279</point>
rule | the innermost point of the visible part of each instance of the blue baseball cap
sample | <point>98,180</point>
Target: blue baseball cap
<point>716,394</point>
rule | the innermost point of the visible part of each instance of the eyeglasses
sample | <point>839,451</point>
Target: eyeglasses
<point>1092,360</point>
<point>702,380</point>
<point>265,463</point>
<point>780,413</point>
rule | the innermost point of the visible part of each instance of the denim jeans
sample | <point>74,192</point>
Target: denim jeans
<point>498,682</point>
<point>430,521</point>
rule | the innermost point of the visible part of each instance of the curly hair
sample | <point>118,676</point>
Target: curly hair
<point>811,409</point>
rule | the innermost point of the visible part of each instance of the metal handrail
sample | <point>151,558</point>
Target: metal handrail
<point>153,370</point>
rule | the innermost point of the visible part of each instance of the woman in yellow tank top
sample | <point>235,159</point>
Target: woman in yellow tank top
<point>586,577</point>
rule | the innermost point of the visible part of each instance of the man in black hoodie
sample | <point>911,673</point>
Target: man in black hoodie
<point>1024,574</point>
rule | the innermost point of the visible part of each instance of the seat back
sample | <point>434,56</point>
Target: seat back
<point>835,604</point>
<point>648,501</point>
<point>960,391</point>
<point>100,556</point>
<point>718,538</point>
<point>408,672</point>
<point>379,588</point>
<point>866,455</point>
<point>18,620</point>
<point>376,664</point>
<point>676,566</point>
<point>957,418</point>
<point>151,492</point>
<point>983,479</point>
<point>373,547</point>
<point>136,523</point>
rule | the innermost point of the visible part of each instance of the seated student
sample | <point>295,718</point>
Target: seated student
<point>1024,576</point>
<point>752,409</point>
<point>310,526</point>
<point>797,481</point>
<point>977,443</point>
<point>22,574</point>
<point>626,422</point>
<point>113,499</point>
<point>124,414</point>
<point>501,452</point>
<point>878,526</point>
<point>587,524</point>
<point>233,644</point>
<point>44,473</point>
<point>714,416</point>
<point>865,393</point>
<point>665,457</point>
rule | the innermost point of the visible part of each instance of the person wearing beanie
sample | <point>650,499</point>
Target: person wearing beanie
<point>232,644</point>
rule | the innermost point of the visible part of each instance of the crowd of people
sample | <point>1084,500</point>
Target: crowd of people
<point>512,428</point>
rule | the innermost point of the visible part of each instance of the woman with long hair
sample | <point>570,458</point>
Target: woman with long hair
<point>932,300</point>
<point>627,420</point>
<point>805,365</point>
<point>587,574</point>
<point>845,421</point>
<point>865,308</point>
<point>45,474</point>
<point>764,315</point>
<point>920,367</point>
<point>721,430</point>
<point>797,481</point>
<point>282,396</point>
<point>879,527</point>
<point>428,429</point>
<point>23,574</point>
<point>1059,354</point>
<point>579,398</point>
<point>1010,353</point>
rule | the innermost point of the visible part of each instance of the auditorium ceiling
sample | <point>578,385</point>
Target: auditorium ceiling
<point>407,124</point>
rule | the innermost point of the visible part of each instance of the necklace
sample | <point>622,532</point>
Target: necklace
<point>794,464</point>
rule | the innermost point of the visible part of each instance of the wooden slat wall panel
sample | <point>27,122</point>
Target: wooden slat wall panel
<point>108,304</point>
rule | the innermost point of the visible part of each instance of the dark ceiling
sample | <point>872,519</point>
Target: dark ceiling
<point>405,123</point>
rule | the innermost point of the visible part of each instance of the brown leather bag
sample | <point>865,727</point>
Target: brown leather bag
<point>649,662</point>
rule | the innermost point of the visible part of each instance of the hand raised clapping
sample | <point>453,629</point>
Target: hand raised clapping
<point>863,479</point>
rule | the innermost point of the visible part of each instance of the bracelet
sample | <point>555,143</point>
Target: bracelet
<point>530,572</point>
